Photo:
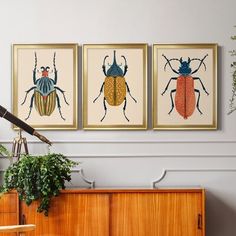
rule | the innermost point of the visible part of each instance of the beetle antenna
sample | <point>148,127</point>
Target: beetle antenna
<point>173,59</point>
<point>201,63</point>
<point>197,59</point>
<point>35,60</point>
<point>168,62</point>
<point>54,60</point>
<point>55,69</point>
<point>35,68</point>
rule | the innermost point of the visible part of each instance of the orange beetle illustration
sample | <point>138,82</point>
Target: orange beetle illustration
<point>185,100</point>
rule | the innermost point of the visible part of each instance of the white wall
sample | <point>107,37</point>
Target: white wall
<point>136,158</point>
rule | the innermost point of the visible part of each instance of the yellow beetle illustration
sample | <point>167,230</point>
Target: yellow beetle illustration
<point>114,87</point>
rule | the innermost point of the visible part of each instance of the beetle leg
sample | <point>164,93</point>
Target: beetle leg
<point>31,106</point>
<point>104,66</point>
<point>129,92</point>
<point>203,87</point>
<point>172,100</point>
<point>59,106</point>
<point>124,109</point>
<point>167,86</point>
<point>105,108</point>
<point>126,67</point>
<point>198,99</point>
<point>63,93</point>
<point>26,93</point>
<point>101,89</point>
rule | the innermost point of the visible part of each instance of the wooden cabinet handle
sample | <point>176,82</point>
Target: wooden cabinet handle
<point>199,221</point>
<point>23,220</point>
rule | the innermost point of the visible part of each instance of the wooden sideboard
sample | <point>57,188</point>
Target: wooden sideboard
<point>9,211</point>
<point>120,212</point>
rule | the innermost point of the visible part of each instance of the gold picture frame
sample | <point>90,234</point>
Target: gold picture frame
<point>45,90</point>
<point>180,103</point>
<point>114,97</point>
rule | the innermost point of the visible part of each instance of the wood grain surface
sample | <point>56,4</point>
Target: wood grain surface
<point>121,212</point>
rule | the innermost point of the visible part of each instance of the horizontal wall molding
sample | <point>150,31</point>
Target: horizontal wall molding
<point>147,156</point>
<point>150,156</point>
<point>163,175</point>
<point>127,149</point>
<point>166,171</point>
<point>124,141</point>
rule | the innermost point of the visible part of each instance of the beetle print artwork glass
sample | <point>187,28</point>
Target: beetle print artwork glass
<point>184,81</point>
<point>44,85</point>
<point>115,86</point>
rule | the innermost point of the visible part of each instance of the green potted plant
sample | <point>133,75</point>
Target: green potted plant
<point>38,178</point>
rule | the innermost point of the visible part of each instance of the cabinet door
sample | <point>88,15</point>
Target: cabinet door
<point>71,214</point>
<point>9,211</point>
<point>156,214</point>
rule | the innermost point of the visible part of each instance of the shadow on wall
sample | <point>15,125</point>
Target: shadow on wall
<point>220,217</point>
<point>1,178</point>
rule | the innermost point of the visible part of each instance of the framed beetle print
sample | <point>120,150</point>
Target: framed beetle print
<point>184,86</point>
<point>45,85</point>
<point>115,86</point>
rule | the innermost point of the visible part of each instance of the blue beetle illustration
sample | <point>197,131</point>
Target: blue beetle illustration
<point>45,96</point>
<point>114,85</point>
